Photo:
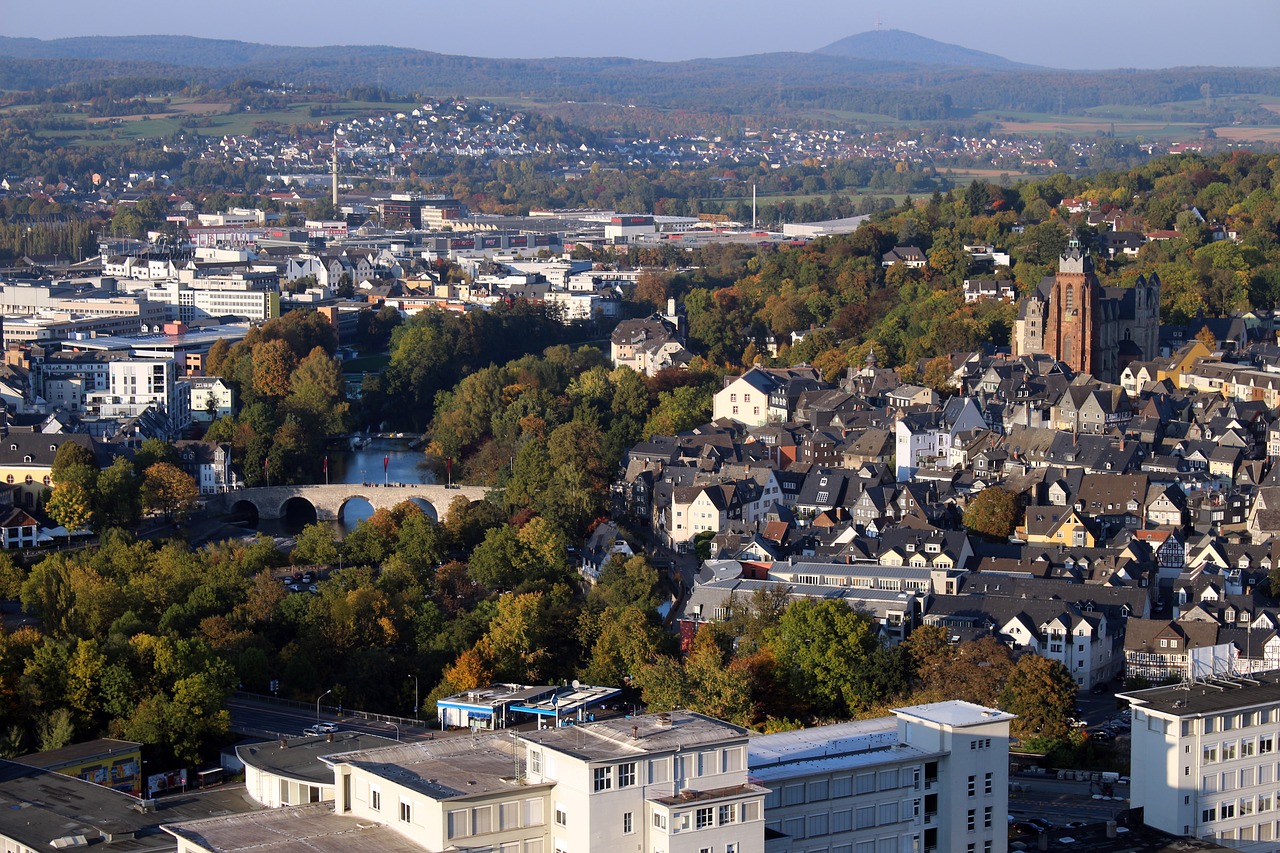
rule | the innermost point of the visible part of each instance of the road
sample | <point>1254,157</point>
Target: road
<point>262,719</point>
<point>1061,802</point>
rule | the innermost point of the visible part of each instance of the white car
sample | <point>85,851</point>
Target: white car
<point>320,729</point>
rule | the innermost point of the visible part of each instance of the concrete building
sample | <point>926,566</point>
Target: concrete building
<point>291,772</point>
<point>930,778</point>
<point>1207,750</point>
<point>674,783</point>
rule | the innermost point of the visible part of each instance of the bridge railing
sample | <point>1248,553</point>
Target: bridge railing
<point>335,710</point>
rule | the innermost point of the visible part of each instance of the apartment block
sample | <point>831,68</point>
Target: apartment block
<point>1207,750</point>
<point>930,778</point>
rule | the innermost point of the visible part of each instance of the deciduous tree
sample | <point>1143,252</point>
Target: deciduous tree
<point>169,490</point>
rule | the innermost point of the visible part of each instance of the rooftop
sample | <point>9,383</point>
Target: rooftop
<point>307,829</point>
<point>623,737</point>
<point>954,713</point>
<point>53,806</point>
<point>1211,696</point>
<point>77,752</point>
<point>443,769</point>
<point>299,758</point>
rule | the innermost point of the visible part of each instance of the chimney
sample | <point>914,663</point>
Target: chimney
<point>635,732</point>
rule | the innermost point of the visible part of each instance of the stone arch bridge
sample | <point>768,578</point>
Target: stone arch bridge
<point>328,501</point>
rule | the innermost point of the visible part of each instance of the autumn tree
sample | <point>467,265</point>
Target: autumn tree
<point>992,512</point>
<point>273,366</point>
<point>169,490</point>
<point>71,507</point>
<point>1043,695</point>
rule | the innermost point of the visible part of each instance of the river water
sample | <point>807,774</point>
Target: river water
<point>364,464</point>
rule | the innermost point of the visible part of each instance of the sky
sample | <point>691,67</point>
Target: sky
<point>1080,34</point>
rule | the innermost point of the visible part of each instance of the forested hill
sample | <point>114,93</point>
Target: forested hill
<point>902,46</point>
<point>780,84</point>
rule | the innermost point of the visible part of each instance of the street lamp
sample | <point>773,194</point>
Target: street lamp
<point>321,696</point>
<point>415,695</point>
<point>397,728</point>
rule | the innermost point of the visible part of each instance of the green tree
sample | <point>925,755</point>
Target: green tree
<point>821,647</point>
<point>317,393</point>
<point>627,582</point>
<point>315,546</point>
<point>117,501</point>
<point>992,512</point>
<point>154,450</point>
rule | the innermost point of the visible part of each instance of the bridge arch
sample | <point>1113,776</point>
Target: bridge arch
<point>248,508</point>
<point>298,510</point>
<point>428,508</point>
<point>347,502</point>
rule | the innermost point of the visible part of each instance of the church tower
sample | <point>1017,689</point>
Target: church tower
<point>1072,328</point>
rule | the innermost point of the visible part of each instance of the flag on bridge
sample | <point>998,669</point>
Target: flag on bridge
<point>386,461</point>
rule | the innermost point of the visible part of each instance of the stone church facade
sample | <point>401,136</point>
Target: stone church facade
<point>1090,328</point>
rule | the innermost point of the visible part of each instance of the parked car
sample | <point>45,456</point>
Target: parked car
<point>313,588</point>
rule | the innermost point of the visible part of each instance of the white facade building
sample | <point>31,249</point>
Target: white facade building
<point>931,778</point>
<point>1208,757</point>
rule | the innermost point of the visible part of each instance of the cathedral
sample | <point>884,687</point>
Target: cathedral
<point>1090,328</point>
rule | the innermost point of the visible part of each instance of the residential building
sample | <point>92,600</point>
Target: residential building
<point>745,398</point>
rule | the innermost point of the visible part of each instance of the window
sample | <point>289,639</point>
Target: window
<point>973,785</point>
<point>1210,755</point>
<point>986,783</point>
<point>866,783</point>
<point>986,818</point>
<point>971,820</point>
<point>888,813</point>
<point>1265,745</point>
<point>704,818</point>
<point>864,817</point>
<point>602,780</point>
<point>817,825</point>
<point>1246,748</point>
<point>375,799</point>
<point>459,823</point>
<point>535,762</point>
<point>728,814</point>
<point>626,775</point>
<point>628,826</point>
<point>1208,815</point>
<point>659,821</point>
<point>1228,811</point>
<point>562,817</point>
<point>1228,752</point>
<point>406,812</point>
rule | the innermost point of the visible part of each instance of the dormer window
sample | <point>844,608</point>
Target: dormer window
<point>26,459</point>
<point>53,448</point>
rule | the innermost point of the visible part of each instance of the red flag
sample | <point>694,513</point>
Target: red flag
<point>326,465</point>
<point>265,462</point>
<point>386,460</point>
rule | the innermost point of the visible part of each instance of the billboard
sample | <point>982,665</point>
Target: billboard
<point>167,783</point>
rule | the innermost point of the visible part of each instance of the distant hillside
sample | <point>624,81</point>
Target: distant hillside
<point>902,46</point>
<point>900,78</point>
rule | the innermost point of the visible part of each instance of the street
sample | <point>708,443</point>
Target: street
<point>266,720</point>
<point>1061,802</point>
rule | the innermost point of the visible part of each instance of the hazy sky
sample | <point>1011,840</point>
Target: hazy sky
<point>1079,34</point>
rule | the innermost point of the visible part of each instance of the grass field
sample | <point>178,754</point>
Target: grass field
<point>366,364</point>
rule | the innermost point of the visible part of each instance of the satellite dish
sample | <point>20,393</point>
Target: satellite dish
<point>576,685</point>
